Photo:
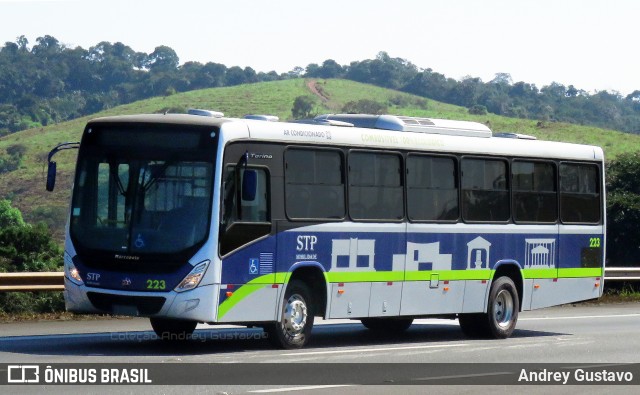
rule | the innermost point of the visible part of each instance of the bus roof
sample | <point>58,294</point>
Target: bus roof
<point>406,133</point>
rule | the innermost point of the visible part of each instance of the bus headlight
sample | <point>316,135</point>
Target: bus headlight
<point>70,270</point>
<point>193,278</point>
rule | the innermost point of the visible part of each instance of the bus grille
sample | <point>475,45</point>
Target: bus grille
<point>146,305</point>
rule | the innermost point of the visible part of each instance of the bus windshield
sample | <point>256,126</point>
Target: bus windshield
<point>130,200</point>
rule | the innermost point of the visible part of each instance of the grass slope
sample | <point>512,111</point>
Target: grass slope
<point>25,186</point>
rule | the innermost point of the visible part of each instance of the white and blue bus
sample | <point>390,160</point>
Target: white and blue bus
<point>190,219</point>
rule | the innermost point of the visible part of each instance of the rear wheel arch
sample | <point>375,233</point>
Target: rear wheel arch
<point>512,270</point>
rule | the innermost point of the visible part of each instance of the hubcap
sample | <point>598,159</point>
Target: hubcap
<point>295,315</point>
<point>503,308</point>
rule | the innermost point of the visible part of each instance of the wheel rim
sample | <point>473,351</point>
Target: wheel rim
<point>295,316</point>
<point>503,309</point>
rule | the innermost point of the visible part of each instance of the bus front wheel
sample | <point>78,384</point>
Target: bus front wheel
<point>500,319</point>
<point>293,328</point>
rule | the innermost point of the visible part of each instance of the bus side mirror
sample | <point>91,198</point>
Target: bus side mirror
<point>249,185</point>
<point>51,176</point>
<point>51,169</point>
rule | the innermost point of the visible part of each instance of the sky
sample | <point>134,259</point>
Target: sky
<point>591,44</point>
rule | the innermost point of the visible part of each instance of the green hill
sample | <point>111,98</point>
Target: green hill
<point>25,185</point>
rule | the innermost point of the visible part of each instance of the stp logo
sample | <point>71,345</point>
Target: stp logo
<point>93,277</point>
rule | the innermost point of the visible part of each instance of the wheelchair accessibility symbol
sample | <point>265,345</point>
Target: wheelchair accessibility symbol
<point>253,266</point>
<point>139,243</point>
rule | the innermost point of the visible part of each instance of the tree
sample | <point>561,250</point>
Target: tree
<point>330,69</point>
<point>502,79</point>
<point>465,92</point>
<point>303,107</point>
<point>163,58</point>
<point>235,76</point>
<point>296,72</point>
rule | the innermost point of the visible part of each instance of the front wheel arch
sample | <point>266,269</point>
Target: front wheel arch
<point>292,328</point>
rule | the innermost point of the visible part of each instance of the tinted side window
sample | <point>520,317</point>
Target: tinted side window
<point>375,186</point>
<point>314,184</point>
<point>432,192</point>
<point>485,193</point>
<point>534,192</point>
<point>579,193</point>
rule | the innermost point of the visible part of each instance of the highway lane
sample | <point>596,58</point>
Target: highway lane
<point>602,334</point>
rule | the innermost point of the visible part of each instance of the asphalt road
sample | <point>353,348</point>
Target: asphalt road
<point>600,334</point>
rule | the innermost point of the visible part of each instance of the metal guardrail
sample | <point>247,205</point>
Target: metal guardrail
<point>622,273</point>
<point>54,281</point>
<point>27,281</point>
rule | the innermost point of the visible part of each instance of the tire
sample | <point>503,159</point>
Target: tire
<point>387,325</point>
<point>501,317</point>
<point>172,330</point>
<point>473,326</point>
<point>295,321</point>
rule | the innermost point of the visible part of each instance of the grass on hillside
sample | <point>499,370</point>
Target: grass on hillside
<point>25,186</point>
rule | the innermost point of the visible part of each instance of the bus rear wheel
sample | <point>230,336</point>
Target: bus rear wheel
<point>387,325</point>
<point>501,317</point>
<point>169,329</point>
<point>293,328</point>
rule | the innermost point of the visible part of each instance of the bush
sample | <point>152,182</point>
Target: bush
<point>27,248</point>
<point>364,106</point>
<point>31,302</point>
<point>623,210</point>
<point>13,158</point>
<point>9,216</point>
<point>478,110</point>
<point>623,229</point>
<point>406,101</point>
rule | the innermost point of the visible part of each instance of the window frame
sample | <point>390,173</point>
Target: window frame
<point>508,189</point>
<point>343,175</point>
<point>457,184</point>
<point>402,186</point>
<point>556,180</point>
<point>598,185</point>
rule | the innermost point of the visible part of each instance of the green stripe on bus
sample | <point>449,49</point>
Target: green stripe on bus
<point>449,275</point>
<point>395,276</point>
<point>249,288</point>
<point>563,273</point>
<point>580,272</point>
<point>539,273</point>
<point>361,277</point>
<point>237,296</point>
<point>423,275</point>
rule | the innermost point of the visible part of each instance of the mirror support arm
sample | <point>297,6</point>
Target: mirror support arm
<point>51,169</point>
